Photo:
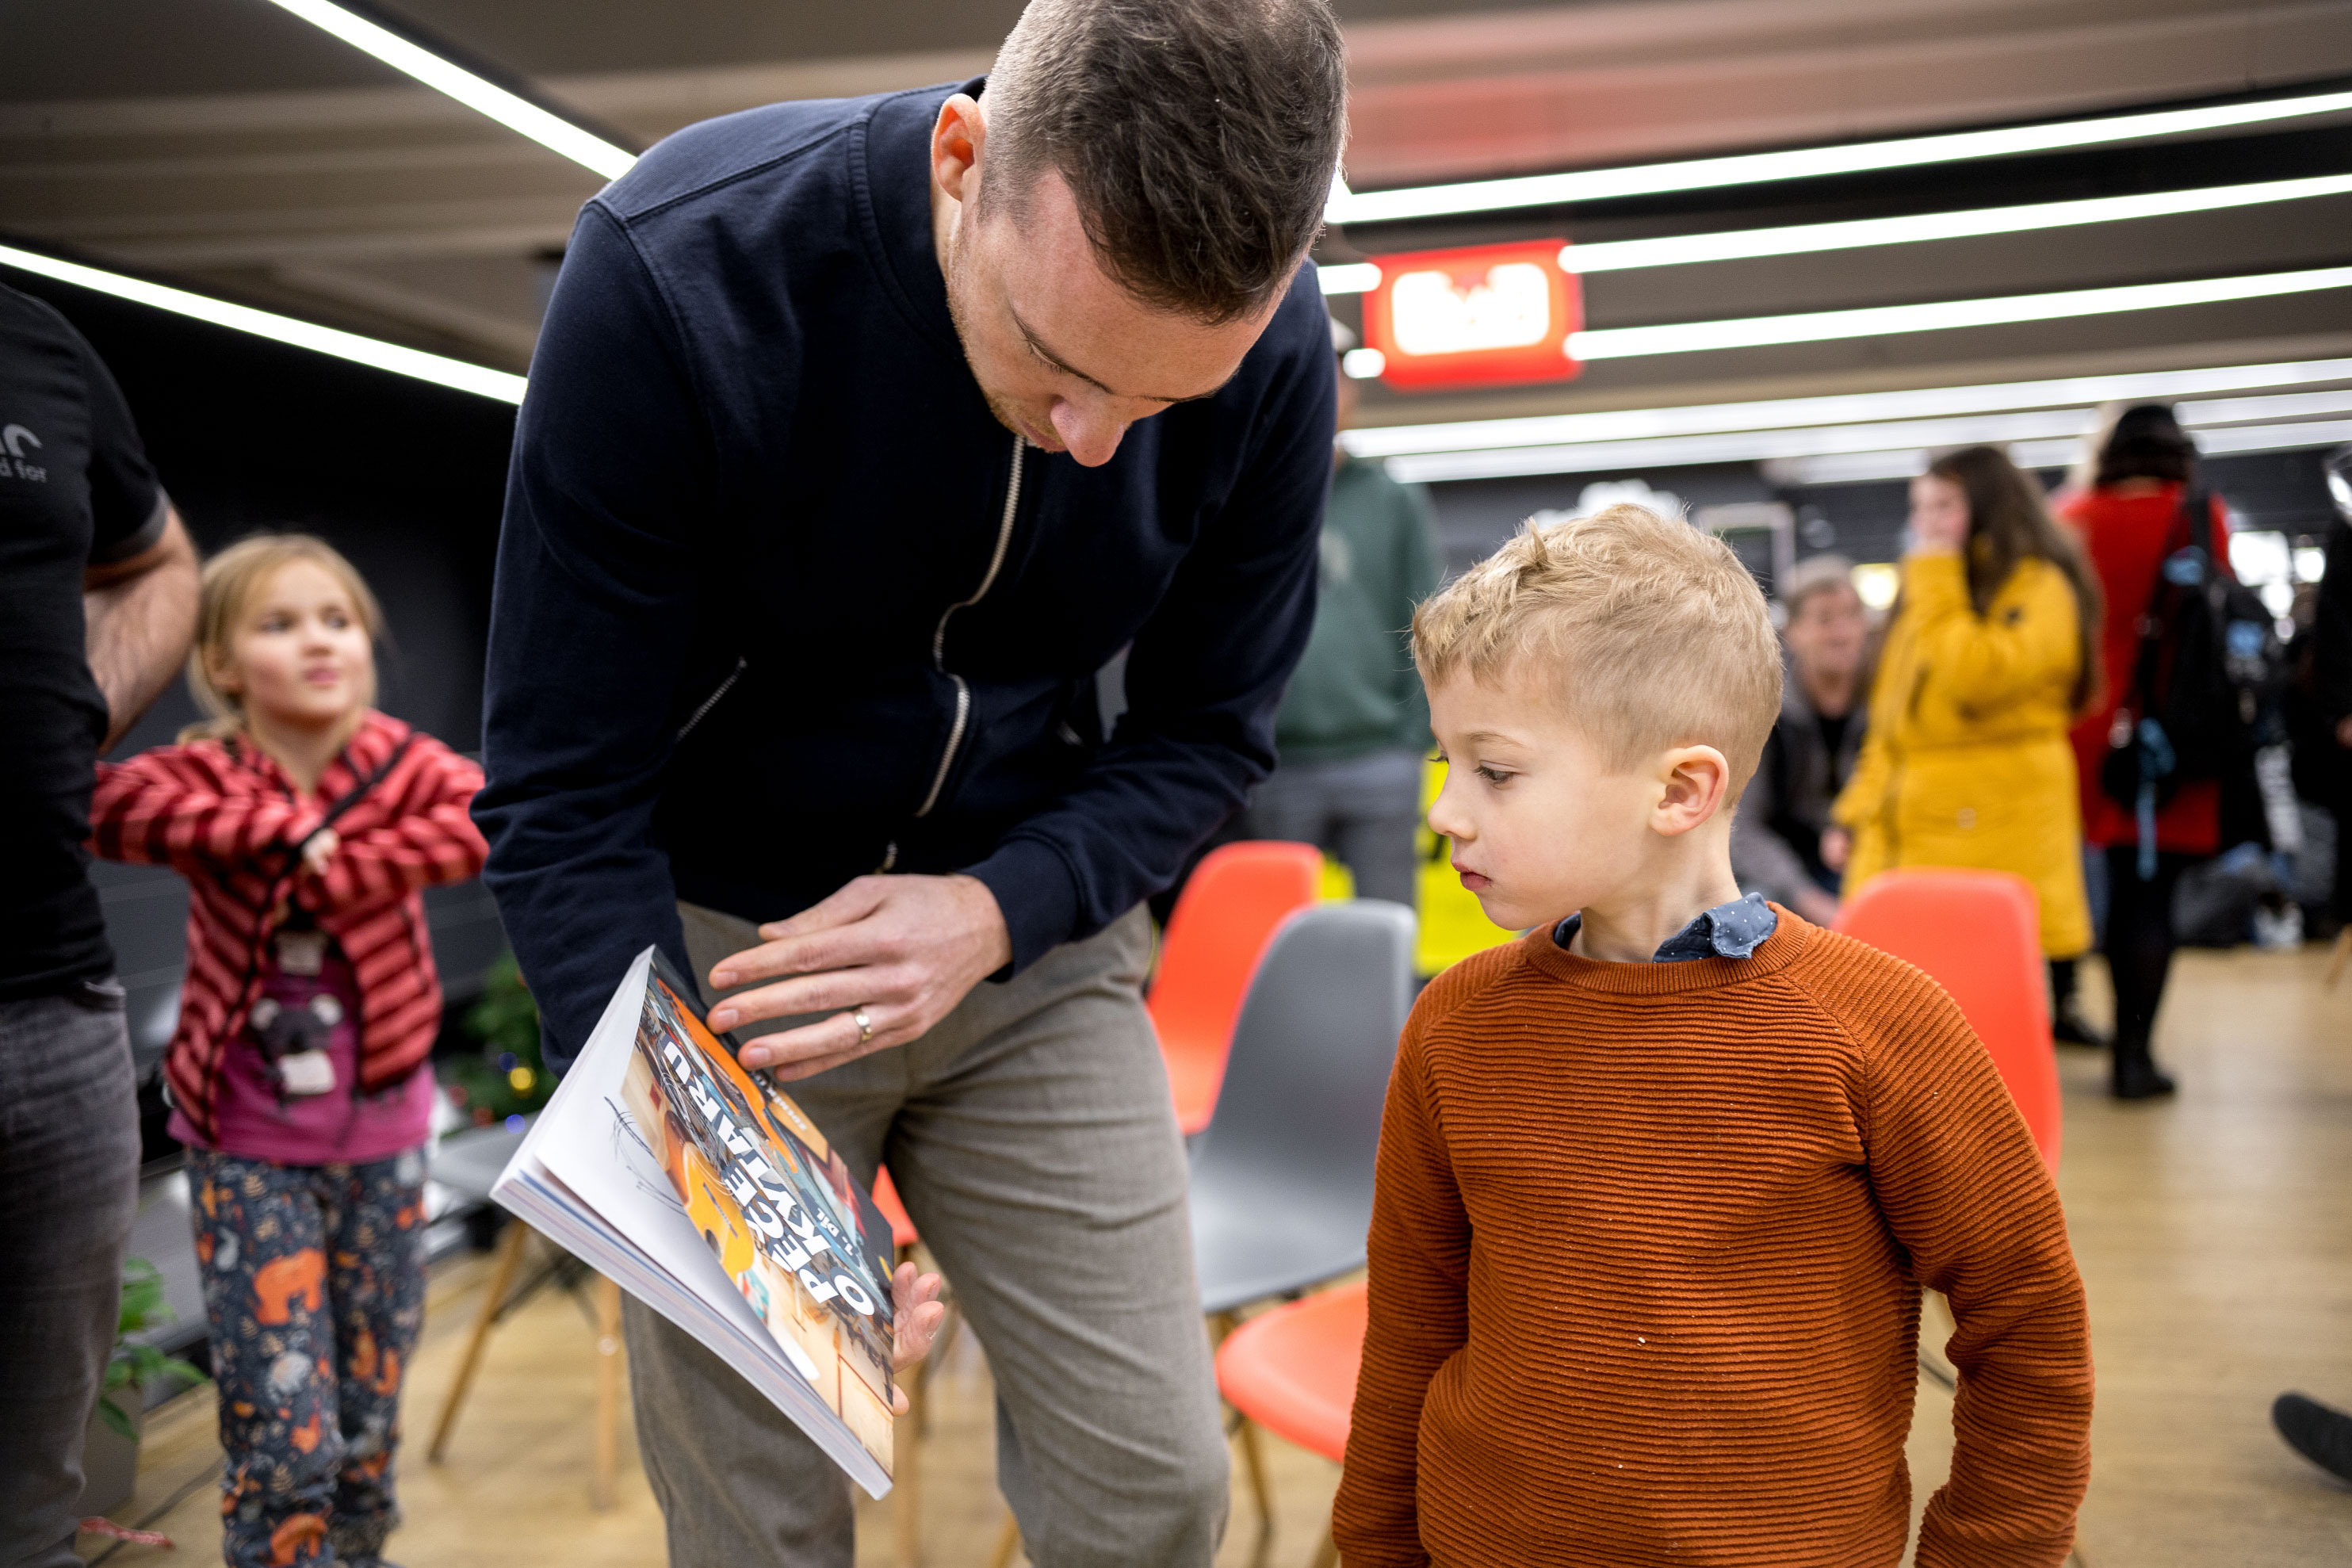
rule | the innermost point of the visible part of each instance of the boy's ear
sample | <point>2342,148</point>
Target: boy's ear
<point>1697,781</point>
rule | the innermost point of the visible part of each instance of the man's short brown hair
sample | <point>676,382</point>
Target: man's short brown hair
<point>1199,137</point>
<point>1651,633</point>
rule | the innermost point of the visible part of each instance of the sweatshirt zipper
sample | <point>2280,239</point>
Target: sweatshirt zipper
<point>711,701</point>
<point>939,638</point>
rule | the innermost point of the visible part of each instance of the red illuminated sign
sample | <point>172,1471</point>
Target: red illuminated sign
<point>1485,315</point>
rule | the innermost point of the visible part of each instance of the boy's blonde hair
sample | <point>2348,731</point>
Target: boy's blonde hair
<point>1651,634</point>
<point>230,581</point>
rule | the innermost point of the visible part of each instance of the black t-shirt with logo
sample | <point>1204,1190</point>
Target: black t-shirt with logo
<point>75,491</point>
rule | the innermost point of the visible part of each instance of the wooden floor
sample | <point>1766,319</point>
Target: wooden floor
<point>2215,1235</point>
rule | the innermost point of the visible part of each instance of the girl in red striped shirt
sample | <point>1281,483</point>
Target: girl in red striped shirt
<point>306,824</point>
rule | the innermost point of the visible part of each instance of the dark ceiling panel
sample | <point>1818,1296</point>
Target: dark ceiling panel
<point>73,49</point>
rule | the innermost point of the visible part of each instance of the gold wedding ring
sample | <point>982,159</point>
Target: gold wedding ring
<point>864,1026</point>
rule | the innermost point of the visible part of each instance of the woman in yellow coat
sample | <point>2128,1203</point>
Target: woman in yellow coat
<point>1991,656</point>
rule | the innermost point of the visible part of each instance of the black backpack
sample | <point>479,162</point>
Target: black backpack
<point>2205,684</point>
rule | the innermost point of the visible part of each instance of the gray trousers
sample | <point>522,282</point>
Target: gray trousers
<point>69,1189</point>
<point>1362,812</point>
<point>1031,1139</point>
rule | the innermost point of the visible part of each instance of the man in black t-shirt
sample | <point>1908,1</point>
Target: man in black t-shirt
<point>98,603</point>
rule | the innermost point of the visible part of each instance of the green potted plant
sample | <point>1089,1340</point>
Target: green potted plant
<point>109,1460</point>
<point>507,1077</point>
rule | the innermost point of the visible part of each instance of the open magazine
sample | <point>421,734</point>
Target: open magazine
<point>699,1187</point>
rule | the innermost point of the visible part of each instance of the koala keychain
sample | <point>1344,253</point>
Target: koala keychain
<point>294,1039</point>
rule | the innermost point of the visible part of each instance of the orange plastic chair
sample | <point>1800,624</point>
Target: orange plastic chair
<point>1222,923</point>
<point>1976,934</point>
<point>886,1198</point>
<point>1293,1372</point>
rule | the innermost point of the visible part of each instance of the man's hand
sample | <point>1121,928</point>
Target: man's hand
<point>904,949</point>
<point>1942,533</point>
<point>916,1314</point>
<point>1836,845</point>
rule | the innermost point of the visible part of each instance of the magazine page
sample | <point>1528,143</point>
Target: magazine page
<point>600,1174</point>
<point>799,1237</point>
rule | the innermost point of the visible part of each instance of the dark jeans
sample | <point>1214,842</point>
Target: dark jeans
<point>2140,940</point>
<point>2340,898</point>
<point>68,1189</point>
<point>314,1287</point>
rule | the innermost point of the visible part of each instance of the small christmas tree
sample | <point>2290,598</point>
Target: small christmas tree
<point>510,1078</point>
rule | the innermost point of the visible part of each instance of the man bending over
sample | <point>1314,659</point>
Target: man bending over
<point>860,435</point>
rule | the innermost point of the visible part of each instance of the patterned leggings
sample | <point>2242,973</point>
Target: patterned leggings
<point>314,1286</point>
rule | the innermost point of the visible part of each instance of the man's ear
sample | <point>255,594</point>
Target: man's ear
<point>1697,780</point>
<point>958,138</point>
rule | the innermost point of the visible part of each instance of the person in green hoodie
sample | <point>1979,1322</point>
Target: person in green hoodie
<point>1354,726</point>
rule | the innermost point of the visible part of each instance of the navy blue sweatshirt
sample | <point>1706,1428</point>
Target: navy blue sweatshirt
<point>780,603</point>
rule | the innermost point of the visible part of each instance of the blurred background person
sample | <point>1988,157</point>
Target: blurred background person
<point>2319,1431</point>
<point>1777,839</point>
<point>1354,726</point>
<point>2322,692</point>
<point>307,824</point>
<point>2127,508</point>
<point>1991,652</point>
<point>97,596</point>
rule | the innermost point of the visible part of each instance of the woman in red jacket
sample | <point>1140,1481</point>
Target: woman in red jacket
<point>306,823</point>
<point>2127,515</point>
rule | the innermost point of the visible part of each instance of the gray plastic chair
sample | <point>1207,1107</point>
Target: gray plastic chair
<point>1282,1180</point>
<point>469,1162</point>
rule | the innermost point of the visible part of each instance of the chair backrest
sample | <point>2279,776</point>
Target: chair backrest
<point>1976,934</point>
<point>1218,932</point>
<point>1289,1160</point>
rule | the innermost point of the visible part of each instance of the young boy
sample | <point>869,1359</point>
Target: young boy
<point>1660,1183</point>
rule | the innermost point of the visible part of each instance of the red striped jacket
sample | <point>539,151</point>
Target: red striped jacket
<point>225,816</point>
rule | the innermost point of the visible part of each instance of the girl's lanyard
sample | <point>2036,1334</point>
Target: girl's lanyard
<point>294,1039</point>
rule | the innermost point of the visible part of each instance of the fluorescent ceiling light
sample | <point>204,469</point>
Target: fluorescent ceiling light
<point>1855,468</point>
<point>1896,445</point>
<point>1810,239</point>
<point>1783,413</point>
<point>417,362</point>
<point>1805,239</point>
<point>2218,420</point>
<point>552,131</point>
<point>2275,438</point>
<point>1816,326</point>
<point>1737,447</point>
<point>1804,163</point>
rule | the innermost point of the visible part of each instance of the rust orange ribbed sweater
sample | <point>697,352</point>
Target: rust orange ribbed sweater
<point>1645,1266</point>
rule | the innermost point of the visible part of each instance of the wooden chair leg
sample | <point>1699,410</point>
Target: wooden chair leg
<point>608,1390</point>
<point>2341,956</point>
<point>501,1281</point>
<point>1008,1544</point>
<point>905,1479</point>
<point>940,1347</point>
<point>1254,1461</point>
